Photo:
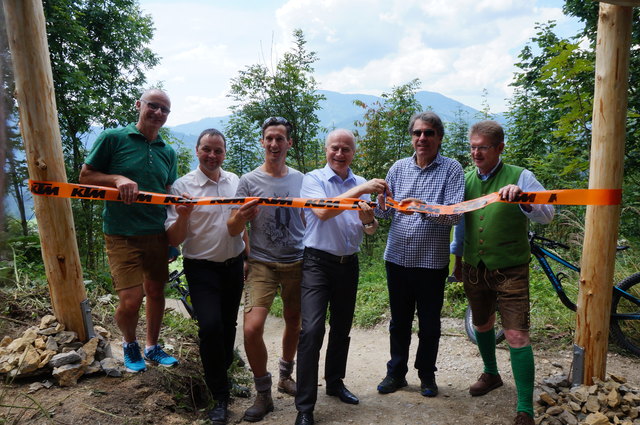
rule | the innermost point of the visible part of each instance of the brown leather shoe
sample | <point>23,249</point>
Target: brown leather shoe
<point>523,418</point>
<point>287,385</point>
<point>486,382</point>
<point>262,405</point>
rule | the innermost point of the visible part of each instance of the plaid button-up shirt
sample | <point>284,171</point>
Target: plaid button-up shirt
<point>422,240</point>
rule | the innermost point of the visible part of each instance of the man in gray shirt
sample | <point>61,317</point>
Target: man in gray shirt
<point>275,261</point>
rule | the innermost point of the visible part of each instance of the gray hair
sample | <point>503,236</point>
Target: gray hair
<point>490,129</point>
<point>428,117</point>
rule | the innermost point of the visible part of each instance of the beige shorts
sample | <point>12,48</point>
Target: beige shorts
<point>265,279</point>
<point>134,259</point>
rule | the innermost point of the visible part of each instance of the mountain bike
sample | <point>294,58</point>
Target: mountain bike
<point>180,286</point>
<point>625,303</point>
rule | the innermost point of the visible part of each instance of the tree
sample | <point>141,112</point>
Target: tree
<point>551,110</point>
<point>456,141</point>
<point>99,56</point>
<point>288,91</point>
<point>385,138</point>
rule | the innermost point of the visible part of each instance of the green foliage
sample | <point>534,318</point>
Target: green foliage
<point>385,138</point>
<point>455,143</point>
<point>288,91</point>
<point>185,155</point>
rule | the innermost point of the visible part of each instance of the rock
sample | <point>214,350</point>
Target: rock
<point>92,368</point>
<point>99,330</point>
<point>568,418</point>
<point>28,362</point>
<point>66,337</point>
<point>596,419</point>
<point>52,345</point>
<point>547,399</point>
<point>64,358</point>
<point>592,405</point>
<point>614,398</point>
<point>617,378</point>
<point>47,321</point>
<point>554,410</point>
<point>111,367</point>
<point>6,340</point>
<point>89,349</point>
<point>67,375</point>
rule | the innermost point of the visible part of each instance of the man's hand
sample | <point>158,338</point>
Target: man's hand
<point>184,210</point>
<point>248,211</point>
<point>375,186</point>
<point>409,202</point>
<point>365,213</point>
<point>128,189</point>
<point>510,192</point>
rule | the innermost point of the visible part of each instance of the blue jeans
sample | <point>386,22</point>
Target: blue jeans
<point>216,290</point>
<point>414,289</point>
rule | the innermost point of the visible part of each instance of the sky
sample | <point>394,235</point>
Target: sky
<point>457,48</point>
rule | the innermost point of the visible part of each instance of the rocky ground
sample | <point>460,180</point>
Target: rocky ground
<point>143,398</point>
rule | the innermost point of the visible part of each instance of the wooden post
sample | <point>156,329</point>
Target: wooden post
<point>41,135</point>
<point>607,159</point>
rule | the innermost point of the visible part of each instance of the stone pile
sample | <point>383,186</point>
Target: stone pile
<point>605,402</point>
<point>48,349</point>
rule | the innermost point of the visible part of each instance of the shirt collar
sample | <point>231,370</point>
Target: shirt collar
<point>331,175</point>
<point>437,161</point>
<point>491,173</point>
<point>202,179</point>
<point>133,130</point>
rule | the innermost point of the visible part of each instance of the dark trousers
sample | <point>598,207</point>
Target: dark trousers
<point>414,289</point>
<point>216,290</point>
<point>325,283</point>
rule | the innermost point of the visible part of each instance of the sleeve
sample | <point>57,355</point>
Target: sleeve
<point>100,153</point>
<point>457,244</point>
<point>176,189</point>
<point>312,187</point>
<point>540,213</point>
<point>242,190</point>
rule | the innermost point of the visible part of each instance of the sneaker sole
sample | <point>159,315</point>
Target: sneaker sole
<point>160,364</point>
<point>488,390</point>
<point>135,371</point>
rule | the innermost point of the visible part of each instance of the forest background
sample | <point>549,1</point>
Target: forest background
<point>99,54</point>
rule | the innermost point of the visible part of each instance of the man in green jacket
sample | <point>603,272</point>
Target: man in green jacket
<point>494,260</point>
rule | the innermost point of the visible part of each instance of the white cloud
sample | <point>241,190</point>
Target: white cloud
<point>456,48</point>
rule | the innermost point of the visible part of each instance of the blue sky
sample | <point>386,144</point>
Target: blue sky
<point>455,47</point>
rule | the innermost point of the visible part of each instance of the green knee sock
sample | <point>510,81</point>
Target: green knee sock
<point>524,375</point>
<point>487,346</point>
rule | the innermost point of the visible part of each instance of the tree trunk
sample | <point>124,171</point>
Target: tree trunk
<point>25,25</point>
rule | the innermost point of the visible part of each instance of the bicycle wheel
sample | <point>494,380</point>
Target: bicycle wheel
<point>626,332</point>
<point>471,334</point>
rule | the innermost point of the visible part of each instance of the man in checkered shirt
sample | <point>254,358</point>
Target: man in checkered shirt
<point>417,253</point>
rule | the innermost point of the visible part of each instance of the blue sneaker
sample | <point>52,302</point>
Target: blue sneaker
<point>132,359</point>
<point>157,356</point>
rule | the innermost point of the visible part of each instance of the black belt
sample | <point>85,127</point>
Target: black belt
<point>225,263</point>
<point>342,259</point>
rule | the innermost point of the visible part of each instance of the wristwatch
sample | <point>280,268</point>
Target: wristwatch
<point>369,225</point>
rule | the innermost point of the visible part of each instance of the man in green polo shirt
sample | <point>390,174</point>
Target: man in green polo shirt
<point>133,159</point>
<point>495,266</point>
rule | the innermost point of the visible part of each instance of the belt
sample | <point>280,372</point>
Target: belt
<point>225,263</point>
<point>341,259</point>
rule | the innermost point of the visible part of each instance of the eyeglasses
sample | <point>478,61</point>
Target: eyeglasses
<point>480,148</point>
<point>427,133</point>
<point>155,106</point>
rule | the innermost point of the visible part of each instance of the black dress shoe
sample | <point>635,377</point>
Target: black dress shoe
<point>304,419</point>
<point>343,394</point>
<point>220,414</point>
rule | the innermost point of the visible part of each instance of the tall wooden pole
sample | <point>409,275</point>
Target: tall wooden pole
<point>41,135</point>
<point>607,156</point>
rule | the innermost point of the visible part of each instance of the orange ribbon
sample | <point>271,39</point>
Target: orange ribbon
<point>554,197</point>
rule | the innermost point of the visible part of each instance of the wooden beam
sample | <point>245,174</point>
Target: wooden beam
<point>606,169</point>
<point>43,146</point>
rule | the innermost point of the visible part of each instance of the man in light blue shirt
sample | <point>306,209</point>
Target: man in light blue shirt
<point>330,271</point>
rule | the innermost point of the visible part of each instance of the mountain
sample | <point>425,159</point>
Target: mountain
<point>339,111</point>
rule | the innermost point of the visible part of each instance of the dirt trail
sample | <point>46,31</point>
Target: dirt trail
<point>458,366</point>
